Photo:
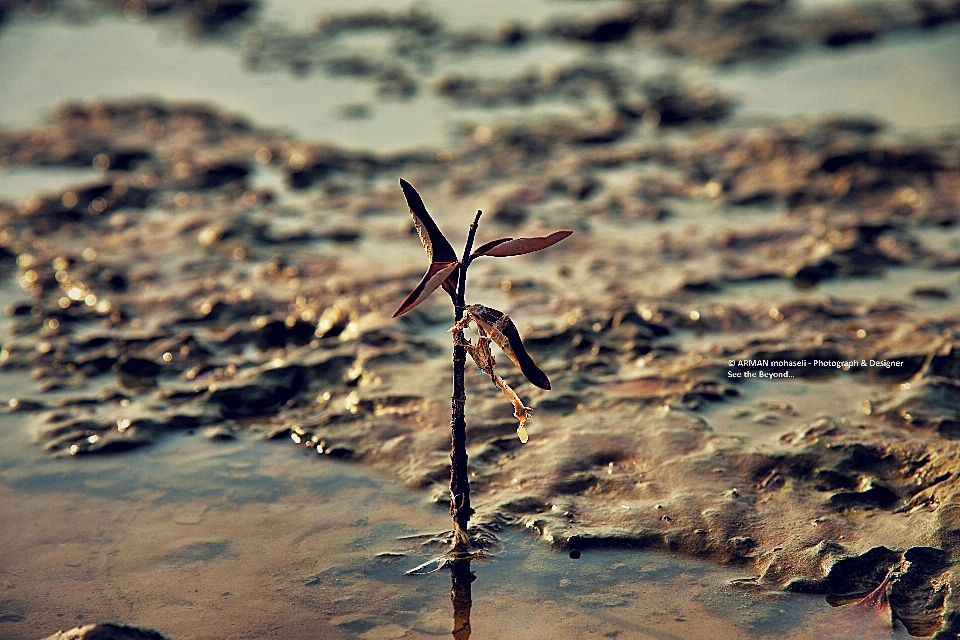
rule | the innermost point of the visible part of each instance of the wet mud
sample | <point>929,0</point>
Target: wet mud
<point>169,295</point>
<point>752,335</point>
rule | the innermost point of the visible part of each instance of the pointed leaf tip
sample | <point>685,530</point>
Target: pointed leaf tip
<point>438,248</point>
<point>435,276</point>
<point>504,247</point>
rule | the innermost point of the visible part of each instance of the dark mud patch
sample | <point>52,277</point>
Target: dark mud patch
<point>198,552</point>
<point>170,295</point>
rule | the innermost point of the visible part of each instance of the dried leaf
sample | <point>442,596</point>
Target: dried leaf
<point>436,275</point>
<point>437,247</point>
<point>434,242</point>
<point>501,330</point>
<point>504,247</point>
<point>487,363</point>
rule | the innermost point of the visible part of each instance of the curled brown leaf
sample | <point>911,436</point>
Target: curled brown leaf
<point>500,328</point>
<point>503,247</point>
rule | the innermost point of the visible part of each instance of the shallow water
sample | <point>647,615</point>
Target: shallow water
<point>908,82</point>
<point>111,57</point>
<point>20,183</point>
<point>242,539</point>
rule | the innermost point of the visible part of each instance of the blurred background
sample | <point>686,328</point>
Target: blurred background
<point>395,77</point>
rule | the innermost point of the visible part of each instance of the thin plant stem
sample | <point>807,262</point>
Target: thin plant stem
<point>460,509</point>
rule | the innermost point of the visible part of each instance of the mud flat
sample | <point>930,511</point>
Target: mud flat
<point>751,335</point>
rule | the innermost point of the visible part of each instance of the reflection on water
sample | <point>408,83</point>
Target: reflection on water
<point>460,594</point>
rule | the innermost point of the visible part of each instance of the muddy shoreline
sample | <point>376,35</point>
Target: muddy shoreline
<point>751,335</point>
<point>169,287</point>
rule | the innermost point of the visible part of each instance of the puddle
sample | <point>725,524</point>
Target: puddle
<point>110,57</point>
<point>896,283</point>
<point>204,540</point>
<point>907,81</point>
<point>17,183</point>
<point>768,409</point>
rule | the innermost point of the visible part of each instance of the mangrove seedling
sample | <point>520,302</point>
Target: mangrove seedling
<point>450,272</point>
